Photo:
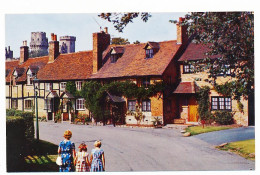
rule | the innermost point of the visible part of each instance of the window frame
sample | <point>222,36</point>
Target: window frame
<point>131,107</point>
<point>48,104</point>
<point>113,58</point>
<point>79,85</point>
<point>63,86</point>
<point>146,82</point>
<point>26,104</point>
<point>48,86</point>
<point>29,80</point>
<point>188,70</point>
<point>14,103</point>
<point>221,103</point>
<point>146,105</point>
<point>81,105</point>
<point>149,53</point>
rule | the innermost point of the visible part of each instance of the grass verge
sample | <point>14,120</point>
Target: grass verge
<point>195,130</point>
<point>245,148</point>
<point>41,157</point>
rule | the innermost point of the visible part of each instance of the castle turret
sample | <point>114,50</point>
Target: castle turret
<point>67,44</point>
<point>39,43</point>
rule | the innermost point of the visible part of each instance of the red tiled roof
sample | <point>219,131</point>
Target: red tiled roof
<point>71,66</point>
<point>9,67</point>
<point>185,88</point>
<point>133,62</point>
<point>33,62</point>
<point>195,52</point>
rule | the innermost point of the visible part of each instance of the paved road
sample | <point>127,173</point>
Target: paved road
<point>230,135</point>
<point>147,149</point>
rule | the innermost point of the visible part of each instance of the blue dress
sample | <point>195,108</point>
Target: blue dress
<point>67,148</point>
<point>96,164</point>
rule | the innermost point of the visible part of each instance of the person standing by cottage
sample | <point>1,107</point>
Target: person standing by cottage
<point>67,151</point>
<point>81,161</point>
<point>97,158</point>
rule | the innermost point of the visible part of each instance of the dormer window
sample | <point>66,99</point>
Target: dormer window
<point>116,53</point>
<point>151,48</point>
<point>113,58</point>
<point>149,53</point>
<point>29,77</point>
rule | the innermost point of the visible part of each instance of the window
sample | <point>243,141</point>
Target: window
<point>78,85</point>
<point>149,53</point>
<point>48,86</point>
<point>28,104</point>
<point>146,82</point>
<point>29,79</point>
<point>226,69</point>
<point>63,86</point>
<point>113,58</point>
<point>188,68</point>
<point>14,103</point>
<point>221,103</point>
<point>131,105</point>
<point>47,104</point>
<point>146,105</point>
<point>80,104</point>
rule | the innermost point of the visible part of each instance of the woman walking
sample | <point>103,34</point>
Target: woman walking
<point>97,158</point>
<point>81,160</point>
<point>67,151</point>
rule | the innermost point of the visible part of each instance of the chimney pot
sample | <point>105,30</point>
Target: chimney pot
<point>52,36</point>
<point>106,30</point>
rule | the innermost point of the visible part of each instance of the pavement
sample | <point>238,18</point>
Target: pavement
<point>148,149</point>
<point>229,135</point>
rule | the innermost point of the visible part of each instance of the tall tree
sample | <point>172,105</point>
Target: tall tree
<point>120,41</point>
<point>120,20</point>
<point>230,37</point>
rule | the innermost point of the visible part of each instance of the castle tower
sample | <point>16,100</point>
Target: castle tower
<point>39,43</point>
<point>67,44</point>
<point>8,53</point>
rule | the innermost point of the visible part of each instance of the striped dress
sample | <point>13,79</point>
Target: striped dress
<point>97,164</point>
<point>81,164</point>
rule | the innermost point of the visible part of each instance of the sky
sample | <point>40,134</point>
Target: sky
<point>18,27</point>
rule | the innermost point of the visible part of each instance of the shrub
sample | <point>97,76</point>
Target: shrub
<point>15,142</point>
<point>224,117</point>
<point>10,112</point>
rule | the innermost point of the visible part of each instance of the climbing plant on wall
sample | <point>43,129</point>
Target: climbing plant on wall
<point>95,93</point>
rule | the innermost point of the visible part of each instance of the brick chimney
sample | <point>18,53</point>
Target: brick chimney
<point>24,52</point>
<point>53,48</point>
<point>182,36</point>
<point>101,41</point>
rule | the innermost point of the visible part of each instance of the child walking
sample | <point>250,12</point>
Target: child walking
<point>81,160</point>
<point>97,158</point>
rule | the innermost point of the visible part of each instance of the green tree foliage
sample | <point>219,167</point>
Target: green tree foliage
<point>120,20</point>
<point>136,42</point>
<point>230,37</point>
<point>120,41</point>
<point>71,88</point>
<point>204,104</point>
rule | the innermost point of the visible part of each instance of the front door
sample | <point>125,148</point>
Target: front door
<point>193,110</point>
<point>193,113</point>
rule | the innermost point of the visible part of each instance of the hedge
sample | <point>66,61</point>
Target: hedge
<point>29,125</point>
<point>19,137</point>
<point>15,143</point>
